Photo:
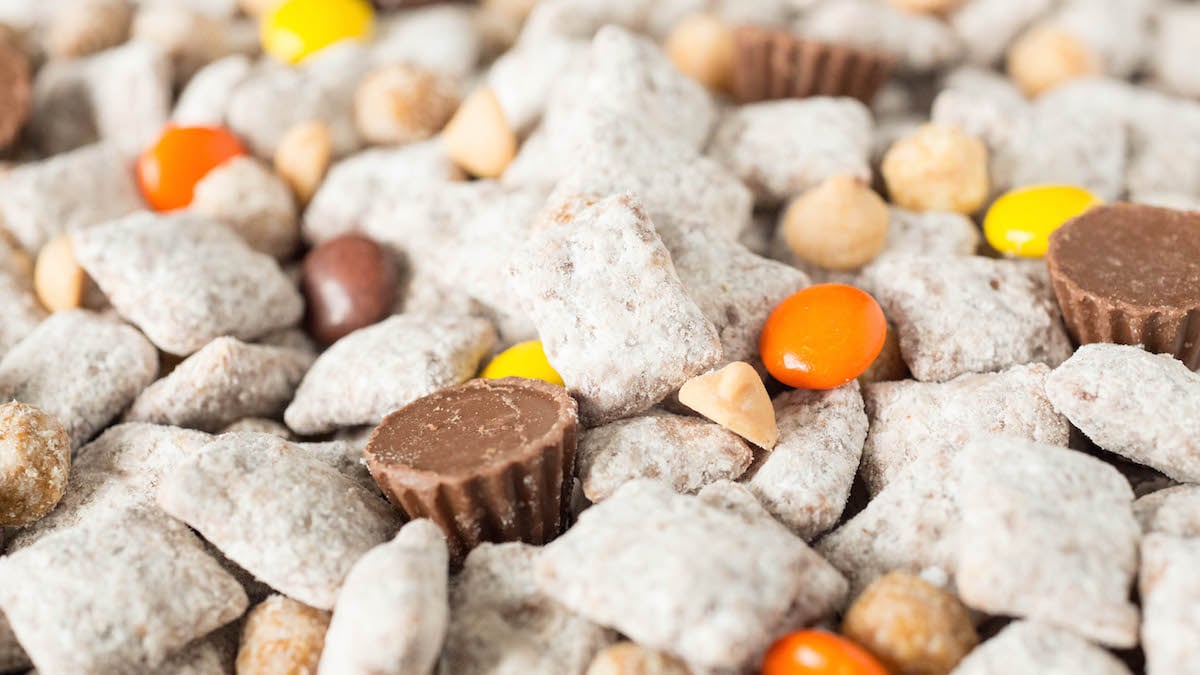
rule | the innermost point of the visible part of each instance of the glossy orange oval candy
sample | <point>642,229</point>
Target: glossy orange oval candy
<point>823,336</point>
<point>816,652</point>
<point>169,169</point>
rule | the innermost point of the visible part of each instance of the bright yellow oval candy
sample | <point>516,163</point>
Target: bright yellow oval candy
<point>527,360</point>
<point>296,29</point>
<point>1020,222</point>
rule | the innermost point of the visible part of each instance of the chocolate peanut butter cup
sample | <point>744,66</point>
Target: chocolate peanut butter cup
<point>1130,274</point>
<point>489,460</point>
<point>773,64</point>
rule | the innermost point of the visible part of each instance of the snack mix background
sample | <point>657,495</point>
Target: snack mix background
<point>599,337</point>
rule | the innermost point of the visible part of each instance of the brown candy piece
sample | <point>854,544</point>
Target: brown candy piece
<point>774,64</point>
<point>488,460</point>
<point>15,88</point>
<point>350,283</point>
<point>35,459</point>
<point>1130,274</point>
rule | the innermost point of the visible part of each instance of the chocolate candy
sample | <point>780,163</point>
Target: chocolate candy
<point>489,460</point>
<point>15,88</point>
<point>770,64</point>
<point>1130,274</point>
<point>350,283</point>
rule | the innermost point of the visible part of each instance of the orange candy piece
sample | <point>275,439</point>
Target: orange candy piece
<point>823,336</point>
<point>168,171</point>
<point>816,652</point>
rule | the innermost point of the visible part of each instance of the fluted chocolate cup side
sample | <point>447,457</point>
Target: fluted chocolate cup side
<point>772,64</point>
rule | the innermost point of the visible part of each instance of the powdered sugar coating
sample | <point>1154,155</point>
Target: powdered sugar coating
<point>36,206</point>
<point>1033,647</point>
<point>969,314</point>
<point>1170,596</point>
<point>441,37</point>
<point>159,592</point>
<point>205,98</point>
<point>912,419</point>
<point>1072,142</point>
<point>224,381</point>
<point>677,573</point>
<point>781,149</point>
<point>384,367</point>
<point>1174,511</point>
<point>986,28</point>
<point>805,481</point>
<point>290,520</point>
<point>1142,406</point>
<point>1172,51</point>
<point>501,622</point>
<point>1047,534</point>
<point>686,453</point>
<point>19,306</point>
<point>392,613</point>
<point>254,202</point>
<point>185,280</point>
<point>83,368</point>
<point>613,317</point>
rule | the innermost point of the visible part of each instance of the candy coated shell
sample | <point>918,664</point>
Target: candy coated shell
<point>816,652</point>
<point>527,360</point>
<point>169,170</point>
<point>1020,223</point>
<point>297,29</point>
<point>823,336</point>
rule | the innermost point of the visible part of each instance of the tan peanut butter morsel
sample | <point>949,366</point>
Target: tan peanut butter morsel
<point>282,636</point>
<point>35,460</point>
<point>702,47</point>
<point>479,138</point>
<point>58,280</point>
<point>88,27</point>
<point>839,225</point>
<point>735,398</point>
<point>939,7</point>
<point>912,626</point>
<point>403,103</point>
<point>303,157</point>
<point>630,658</point>
<point>1046,56</point>
<point>937,168</point>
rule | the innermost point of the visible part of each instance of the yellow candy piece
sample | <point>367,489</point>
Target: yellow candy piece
<point>526,360</point>
<point>296,29</point>
<point>1020,222</point>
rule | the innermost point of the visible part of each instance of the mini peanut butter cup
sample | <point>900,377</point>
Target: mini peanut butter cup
<point>489,460</point>
<point>773,64</point>
<point>1130,274</point>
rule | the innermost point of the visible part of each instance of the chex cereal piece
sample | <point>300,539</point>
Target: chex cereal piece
<point>1142,406</point>
<point>523,78</point>
<point>254,202</point>
<point>118,470</point>
<point>675,184</point>
<point>1174,511</point>
<point>1047,534</point>
<point>35,459</point>
<point>185,280</point>
<point>391,616</point>
<point>969,314</point>
<point>912,419</point>
<point>292,521</point>
<point>781,149</point>
<point>41,200</point>
<point>922,43</point>
<point>500,621</point>
<point>80,367</point>
<point>12,657</point>
<point>685,453</point>
<point>224,381</point>
<point>1170,594</point>
<point>258,425</point>
<point>148,589</point>
<point>1033,647</point>
<point>282,636</point>
<point>911,525</point>
<point>354,184</point>
<point>734,288</point>
<point>987,27</point>
<point>19,307</point>
<point>384,367</point>
<point>130,90</point>
<point>443,37</point>
<point>620,347</point>
<point>805,481</point>
<point>676,573</point>
<point>205,97</point>
<point>1070,140</point>
<point>1172,50</point>
<point>735,398</point>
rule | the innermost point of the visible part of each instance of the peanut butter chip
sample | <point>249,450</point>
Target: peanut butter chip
<point>303,157</point>
<point>58,279</point>
<point>702,47</point>
<point>479,138</point>
<point>35,458</point>
<point>735,398</point>
<point>1047,56</point>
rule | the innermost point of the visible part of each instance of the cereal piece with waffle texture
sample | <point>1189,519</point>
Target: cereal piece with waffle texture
<point>254,202</point>
<point>1170,594</point>
<point>384,367</point>
<point>969,314</point>
<point>1144,407</point>
<point>185,280</point>
<point>1033,647</point>
<point>613,316</point>
<point>1174,511</point>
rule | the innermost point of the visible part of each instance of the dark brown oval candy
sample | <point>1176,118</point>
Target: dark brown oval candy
<point>349,283</point>
<point>489,460</point>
